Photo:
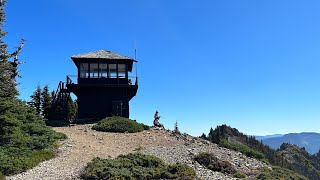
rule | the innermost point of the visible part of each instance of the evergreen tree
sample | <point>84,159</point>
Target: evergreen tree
<point>53,93</point>
<point>45,102</point>
<point>211,135</point>
<point>203,136</point>
<point>8,68</point>
<point>7,75</point>
<point>24,137</point>
<point>36,100</point>
<point>72,110</point>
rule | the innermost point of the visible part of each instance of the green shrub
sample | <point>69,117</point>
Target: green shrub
<point>205,158</point>
<point>245,150</point>
<point>118,124</point>
<point>136,166</point>
<point>239,174</point>
<point>25,140</point>
<point>278,173</point>
<point>214,164</point>
<point>16,160</point>
<point>145,127</point>
<point>181,171</point>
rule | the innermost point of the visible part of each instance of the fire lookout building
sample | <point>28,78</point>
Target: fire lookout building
<point>104,87</point>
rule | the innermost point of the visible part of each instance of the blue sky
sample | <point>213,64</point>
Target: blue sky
<point>250,64</point>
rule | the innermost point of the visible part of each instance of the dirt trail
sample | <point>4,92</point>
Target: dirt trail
<point>84,144</point>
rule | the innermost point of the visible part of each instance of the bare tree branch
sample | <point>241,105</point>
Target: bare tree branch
<point>16,61</point>
<point>16,53</point>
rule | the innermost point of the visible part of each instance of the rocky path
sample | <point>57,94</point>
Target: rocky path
<point>83,144</point>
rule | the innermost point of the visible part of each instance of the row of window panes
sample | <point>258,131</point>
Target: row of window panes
<point>101,71</point>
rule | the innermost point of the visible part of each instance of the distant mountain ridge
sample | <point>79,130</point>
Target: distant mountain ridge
<point>288,156</point>
<point>268,136</point>
<point>309,140</point>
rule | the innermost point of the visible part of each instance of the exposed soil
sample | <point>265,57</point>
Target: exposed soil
<point>84,144</point>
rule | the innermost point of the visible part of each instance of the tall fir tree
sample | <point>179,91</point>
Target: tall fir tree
<point>36,99</point>
<point>24,137</point>
<point>7,85</point>
<point>8,68</point>
<point>45,102</point>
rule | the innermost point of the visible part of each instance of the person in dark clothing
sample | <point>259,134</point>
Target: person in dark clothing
<point>156,120</point>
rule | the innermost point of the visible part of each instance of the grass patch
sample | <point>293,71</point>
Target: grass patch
<point>245,150</point>
<point>119,124</point>
<point>213,163</point>
<point>136,166</point>
<point>278,173</point>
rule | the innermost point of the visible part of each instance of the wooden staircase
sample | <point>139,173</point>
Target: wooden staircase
<point>59,104</point>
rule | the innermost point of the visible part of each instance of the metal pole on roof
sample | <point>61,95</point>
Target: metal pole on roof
<point>135,58</point>
<point>135,48</point>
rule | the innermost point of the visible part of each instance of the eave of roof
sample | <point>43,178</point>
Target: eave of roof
<point>102,54</point>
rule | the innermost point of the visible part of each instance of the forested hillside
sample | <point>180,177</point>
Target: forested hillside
<point>310,141</point>
<point>288,156</point>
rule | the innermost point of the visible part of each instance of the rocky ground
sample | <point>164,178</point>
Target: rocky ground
<point>83,144</point>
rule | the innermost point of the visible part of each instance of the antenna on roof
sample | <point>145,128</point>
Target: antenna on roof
<point>135,58</point>
<point>135,48</point>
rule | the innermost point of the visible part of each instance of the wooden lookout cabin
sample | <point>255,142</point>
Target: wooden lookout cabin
<point>104,86</point>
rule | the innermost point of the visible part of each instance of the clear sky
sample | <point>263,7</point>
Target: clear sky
<point>254,65</point>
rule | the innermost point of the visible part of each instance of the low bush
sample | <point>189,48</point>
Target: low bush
<point>119,124</point>
<point>25,140</point>
<point>239,174</point>
<point>136,166</point>
<point>181,171</point>
<point>278,173</point>
<point>16,160</point>
<point>145,127</point>
<point>245,150</point>
<point>213,163</point>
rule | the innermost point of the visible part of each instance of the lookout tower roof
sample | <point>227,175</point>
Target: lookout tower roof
<point>102,54</point>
